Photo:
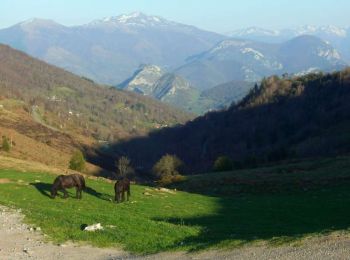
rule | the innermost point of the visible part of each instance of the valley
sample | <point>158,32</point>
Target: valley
<point>48,111</point>
<point>187,60</point>
<point>233,139</point>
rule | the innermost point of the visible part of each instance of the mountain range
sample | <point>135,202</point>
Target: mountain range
<point>151,80</point>
<point>339,37</point>
<point>184,63</point>
<point>248,60</point>
<point>109,50</point>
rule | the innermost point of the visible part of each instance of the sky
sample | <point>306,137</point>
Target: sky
<point>215,15</point>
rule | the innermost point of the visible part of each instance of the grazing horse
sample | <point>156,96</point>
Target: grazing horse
<point>120,187</point>
<point>68,181</point>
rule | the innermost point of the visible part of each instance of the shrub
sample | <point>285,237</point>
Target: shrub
<point>223,163</point>
<point>166,169</point>
<point>167,180</point>
<point>77,162</point>
<point>6,146</point>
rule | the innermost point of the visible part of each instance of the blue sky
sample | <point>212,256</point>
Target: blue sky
<point>215,15</point>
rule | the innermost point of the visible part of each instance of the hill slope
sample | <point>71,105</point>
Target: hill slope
<point>151,80</point>
<point>224,95</point>
<point>283,118</point>
<point>53,106</point>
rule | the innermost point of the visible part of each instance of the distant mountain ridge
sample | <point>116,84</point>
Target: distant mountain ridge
<point>151,80</point>
<point>256,33</point>
<point>339,37</point>
<point>248,60</point>
<point>110,49</point>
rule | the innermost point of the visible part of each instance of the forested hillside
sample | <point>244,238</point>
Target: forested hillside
<point>70,103</point>
<point>283,118</point>
<point>60,110</point>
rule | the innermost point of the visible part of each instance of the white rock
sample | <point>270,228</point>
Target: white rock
<point>94,227</point>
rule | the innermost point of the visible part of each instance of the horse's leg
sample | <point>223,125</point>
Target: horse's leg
<point>79,189</point>
<point>80,193</point>
<point>65,194</point>
<point>77,192</point>
<point>128,194</point>
<point>123,195</point>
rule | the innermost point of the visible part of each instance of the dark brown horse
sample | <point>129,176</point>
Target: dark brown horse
<point>63,182</point>
<point>120,187</point>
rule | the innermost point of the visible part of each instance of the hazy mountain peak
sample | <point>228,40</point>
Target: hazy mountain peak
<point>256,31</point>
<point>331,29</point>
<point>132,19</point>
<point>225,44</point>
<point>38,23</point>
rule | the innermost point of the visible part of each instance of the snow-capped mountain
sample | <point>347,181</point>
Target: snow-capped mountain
<point>318,30</point>
<point>249,60</point>
<point>110,49</point>
<point>137,19</point>
<point>254,33</point>
<point>338,37</point>
<point>36,23</point>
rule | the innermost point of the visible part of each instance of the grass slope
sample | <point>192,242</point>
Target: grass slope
<point>187,221</point>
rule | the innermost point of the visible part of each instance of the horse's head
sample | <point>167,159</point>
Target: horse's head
<point>53,193</point>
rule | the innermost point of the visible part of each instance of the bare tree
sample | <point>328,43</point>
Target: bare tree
<point>124,168</point>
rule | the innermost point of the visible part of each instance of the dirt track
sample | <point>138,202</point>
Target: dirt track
<point>19,241</point>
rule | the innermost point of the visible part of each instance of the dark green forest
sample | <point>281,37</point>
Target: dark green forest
<point>283,118</point>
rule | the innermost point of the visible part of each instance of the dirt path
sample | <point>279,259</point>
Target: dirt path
<point>19,241</point>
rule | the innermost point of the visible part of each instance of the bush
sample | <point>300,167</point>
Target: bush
<point>167,180</point>
<point>77,162</point>
<point>6,146</point>
<point>166,169</point>
<point>223,163</point>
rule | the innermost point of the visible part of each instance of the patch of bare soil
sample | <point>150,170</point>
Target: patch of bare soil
<point>20,241</point>
<point>4,181</point>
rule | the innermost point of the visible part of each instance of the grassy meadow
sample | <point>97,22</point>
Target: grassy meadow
<point>220,210</point>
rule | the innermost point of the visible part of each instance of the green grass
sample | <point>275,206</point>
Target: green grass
<point>188,221</point>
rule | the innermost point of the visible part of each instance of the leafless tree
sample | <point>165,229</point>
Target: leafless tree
<point>124,168</point>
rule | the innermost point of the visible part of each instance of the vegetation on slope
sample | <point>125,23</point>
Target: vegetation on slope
<point>50,112</point>
<point>73,104</point>
<point>283,118</point>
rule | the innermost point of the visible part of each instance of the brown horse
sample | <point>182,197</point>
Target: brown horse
<point>120,187</point>
<point>68,181</point>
